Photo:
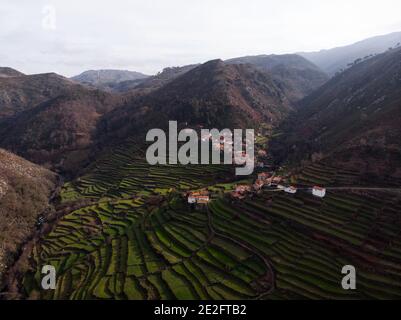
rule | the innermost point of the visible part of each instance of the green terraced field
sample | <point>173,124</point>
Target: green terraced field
<point>273,246</point>
<point>127,174</point>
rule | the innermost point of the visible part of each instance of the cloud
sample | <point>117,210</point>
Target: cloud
<point>149,35</point>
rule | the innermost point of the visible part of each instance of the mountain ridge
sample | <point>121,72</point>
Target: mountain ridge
<point>6,72</point>
<point>24,92</point>
<point>335,59</point>
<point>353,119</point>
<point>58,132</point>
<point>295,75</point>
<point>213,94</point>
<point>105,79</point>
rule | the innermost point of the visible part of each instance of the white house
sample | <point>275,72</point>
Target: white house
<point>202,199</point>
<point>319,192</point>
<point>191,199</point>
<point>291,190</point>
<point>198,197</point>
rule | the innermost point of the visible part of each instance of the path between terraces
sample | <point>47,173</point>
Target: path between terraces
<point>249,248</point>
<point>365,188</point>
<point>346,188</point>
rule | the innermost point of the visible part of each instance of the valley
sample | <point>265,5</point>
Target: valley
<point>117,228</point>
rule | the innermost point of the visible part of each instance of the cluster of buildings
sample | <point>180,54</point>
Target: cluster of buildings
<point>266,179</point>
<point>241,191</point>
<point>198,197</point>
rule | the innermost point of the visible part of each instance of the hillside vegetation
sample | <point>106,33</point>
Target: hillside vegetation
<point>353,120</point>
<point>25,189</point>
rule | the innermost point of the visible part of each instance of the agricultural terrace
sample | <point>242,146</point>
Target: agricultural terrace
<point>273,246</point>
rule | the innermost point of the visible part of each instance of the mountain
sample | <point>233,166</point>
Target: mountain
<point>25,189</point>
<point>59,131</point>
<point>295,75</point>
<point>213,94</point>
<point>352,121</point>
<point>333,60</point>
<point>20,93</point>
<point>152,82</point>
<point>57,123</point>
<point>106,79</point>
<point>6,72</point>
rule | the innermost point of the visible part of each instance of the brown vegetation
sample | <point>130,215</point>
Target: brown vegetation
<point>24,194</point>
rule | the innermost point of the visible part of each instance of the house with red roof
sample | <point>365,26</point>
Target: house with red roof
<point>319,191</point>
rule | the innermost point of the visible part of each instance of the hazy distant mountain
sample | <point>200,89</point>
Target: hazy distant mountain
<point>104,79</point>
<point>9,72</point>
<point>353,120</point>
<point>295,75</point>
<point>153,82</point>
<point>334,60</point>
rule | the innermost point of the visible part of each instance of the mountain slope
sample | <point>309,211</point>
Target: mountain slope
<point>20,93</point>
<point>59,131</point>
<point>213,95</point>
<point>333,60</point>
<point>295,75</point>
<point>353,120</point>
<point>6,72</point>
<point>24,192</point>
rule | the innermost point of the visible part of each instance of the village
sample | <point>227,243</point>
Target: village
<point>265,180</point>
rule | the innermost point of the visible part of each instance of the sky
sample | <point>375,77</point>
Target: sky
<point>72,36</point>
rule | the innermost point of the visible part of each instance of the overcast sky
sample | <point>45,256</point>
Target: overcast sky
<point>148,35</point>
